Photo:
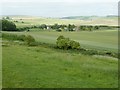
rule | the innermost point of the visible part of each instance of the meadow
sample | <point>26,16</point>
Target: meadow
<point>45,67</point>
<point>41,67</point>
<point>100,40</point>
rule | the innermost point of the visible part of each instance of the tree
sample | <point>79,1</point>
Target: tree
<point>63,26</point>
<point>43,26</point>
<point>71,27</point>
<point>96,27</point>
<point>7,17</point>
<point>8,26</point>
<point>90,28</point>
<point>56,26</point>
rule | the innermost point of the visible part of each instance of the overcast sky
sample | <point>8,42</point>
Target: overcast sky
<point>59,8</point>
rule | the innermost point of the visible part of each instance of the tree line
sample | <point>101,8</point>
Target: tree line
<point>10,26</point>
<point>69,27</point>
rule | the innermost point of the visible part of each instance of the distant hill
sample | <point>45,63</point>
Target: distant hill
<point>111,16</point>
<point>88,17</point>
<point>109,20</point>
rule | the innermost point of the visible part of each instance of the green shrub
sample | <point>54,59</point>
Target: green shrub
<point>29,39</point>
<point>63,43</point>
<point>66,43</point>
<point>74,44</point>
<point>22,37</point>
<point>8,26</point>
<point>60,37</point>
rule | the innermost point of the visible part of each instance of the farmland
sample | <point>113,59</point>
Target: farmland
<point>30,21</point>
<point>49,67</point>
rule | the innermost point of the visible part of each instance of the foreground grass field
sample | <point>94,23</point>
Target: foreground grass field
<point>42,67</point>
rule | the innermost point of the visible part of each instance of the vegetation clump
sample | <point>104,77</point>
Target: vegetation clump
<point>66,43</point>
<point>28,39</point>
<point>8,26</point>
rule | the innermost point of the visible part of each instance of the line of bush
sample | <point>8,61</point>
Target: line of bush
<point>28,39</point>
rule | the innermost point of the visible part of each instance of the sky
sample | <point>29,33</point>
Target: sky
<point>59,8</point>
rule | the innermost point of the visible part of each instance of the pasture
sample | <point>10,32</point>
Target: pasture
<point>41,67</point>
<point>100,40</point>
<point>44,67</point>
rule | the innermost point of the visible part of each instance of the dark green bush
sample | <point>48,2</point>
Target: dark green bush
<point>8,26</point>
<point>21,37</point>
<point>29,39</point>
<point>63,43</point>
<point>74,44</point>
<point>60,37</point>
<point>66,43</point>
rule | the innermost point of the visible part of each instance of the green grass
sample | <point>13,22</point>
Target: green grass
<point>41,67</point>
<point>100,40</point>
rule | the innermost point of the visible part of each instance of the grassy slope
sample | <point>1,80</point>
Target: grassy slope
<point>44,67</point>
<point>102,40</point>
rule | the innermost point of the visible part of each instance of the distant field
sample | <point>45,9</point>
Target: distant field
<point>41,67</point>
<point>100,40</point>
<point>30,21</point>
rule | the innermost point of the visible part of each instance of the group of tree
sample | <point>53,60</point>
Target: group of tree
<point>8,26</point>
<point>72,27</point>
<point>57,27</point>
<point>7,18</point>
<point>88,28</point>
